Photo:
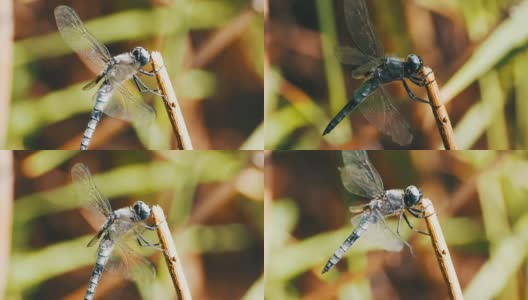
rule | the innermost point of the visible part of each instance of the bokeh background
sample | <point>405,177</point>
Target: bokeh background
<point>479,197</point>
<point>212,50</point>
<point>213,201</point>
<point>476,49</point>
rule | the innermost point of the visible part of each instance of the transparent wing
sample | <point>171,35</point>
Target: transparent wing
<point>363,70</point>
<point>353,56</point>
<point>377,235</point>
<point>359,176</point>
<point>94,54</point>
<point>126,106</point>
<point>126,261</point>
<point>361,63</point>
<point>360,28</point>
<point>380,112</point>
<point>356,209</point>
<point>88,193</point>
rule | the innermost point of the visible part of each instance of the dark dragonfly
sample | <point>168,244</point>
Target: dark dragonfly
<point>360,178</point>
<point>113,97</point>
<point>369,63</point>
<point>118,229</point>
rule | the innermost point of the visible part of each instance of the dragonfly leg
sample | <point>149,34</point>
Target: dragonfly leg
<point>418,213</point>
<point>142,241</point>
<point>408,245</point>
<point>151,228</point>
<point>151,73</point>
<point>399,222</point>
<point>142,87</point>
<point>419,81</point>
<point>412,228</point>
<point>410,249</point>
<point>411,94</point>
<point>397,234</point>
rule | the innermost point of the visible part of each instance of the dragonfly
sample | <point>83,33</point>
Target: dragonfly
<point>370,64</point>
<point>118,228</point>
<point>113,97</point>
<point>360,178</point>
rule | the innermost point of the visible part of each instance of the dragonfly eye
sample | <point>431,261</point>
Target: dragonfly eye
<point>141,55</point>
<point>413,195</point>
<point>414,64</point>
<point>142,210</point>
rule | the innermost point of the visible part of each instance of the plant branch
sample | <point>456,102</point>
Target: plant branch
<point>172,106</point>
<point>171,256</point>
<point>439,110</point>
<point>441,250</point>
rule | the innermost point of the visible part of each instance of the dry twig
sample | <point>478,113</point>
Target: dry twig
<point>439,110</point>
<point>171,103</point>
<point>171,256</point>
<point>441,250</point>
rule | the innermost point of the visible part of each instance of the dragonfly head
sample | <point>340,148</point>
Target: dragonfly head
<point>141,209</point>
<point>141,55</point>
<point>413,65</point>
<point>412,196</point>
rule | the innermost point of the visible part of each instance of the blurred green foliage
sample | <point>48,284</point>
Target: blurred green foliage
<point>31,115</point>
<point>493,58</point>
<point>139,175</point>
<point>492,230</point>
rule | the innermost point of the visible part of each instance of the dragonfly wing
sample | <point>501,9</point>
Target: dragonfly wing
<point>359,176</point>
<point>357,208</point>
<point>352,56</point>
<point>94,54</point>
<point>125,105</point>
<point>362,64</point>
<point>380,112</point>
<point>126,261</point>
<point>357,20</point>
<point>378,235</point>
<point>88,193</point>
<point>361,71</point>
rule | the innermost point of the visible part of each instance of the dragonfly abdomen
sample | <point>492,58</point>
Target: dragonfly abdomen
<point>367,88</point>
<point>103,254</point>
<point>103,95</point>
<point>351,239</point>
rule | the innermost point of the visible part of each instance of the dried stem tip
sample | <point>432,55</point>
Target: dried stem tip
<point>439,110</point>
<point>441,250</point>
<point>171,103</point>
<point>171,256</point>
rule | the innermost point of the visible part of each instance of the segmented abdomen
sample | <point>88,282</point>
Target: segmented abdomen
<point>338,254</point>
<point>359,96</point>
<point>101,99</point>
<point>105,249</point>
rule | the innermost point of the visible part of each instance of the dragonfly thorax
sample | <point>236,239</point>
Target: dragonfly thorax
<point>141,55</point>
<point>141,209</point>
<point>412,196</point>
<point>413,64</point>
